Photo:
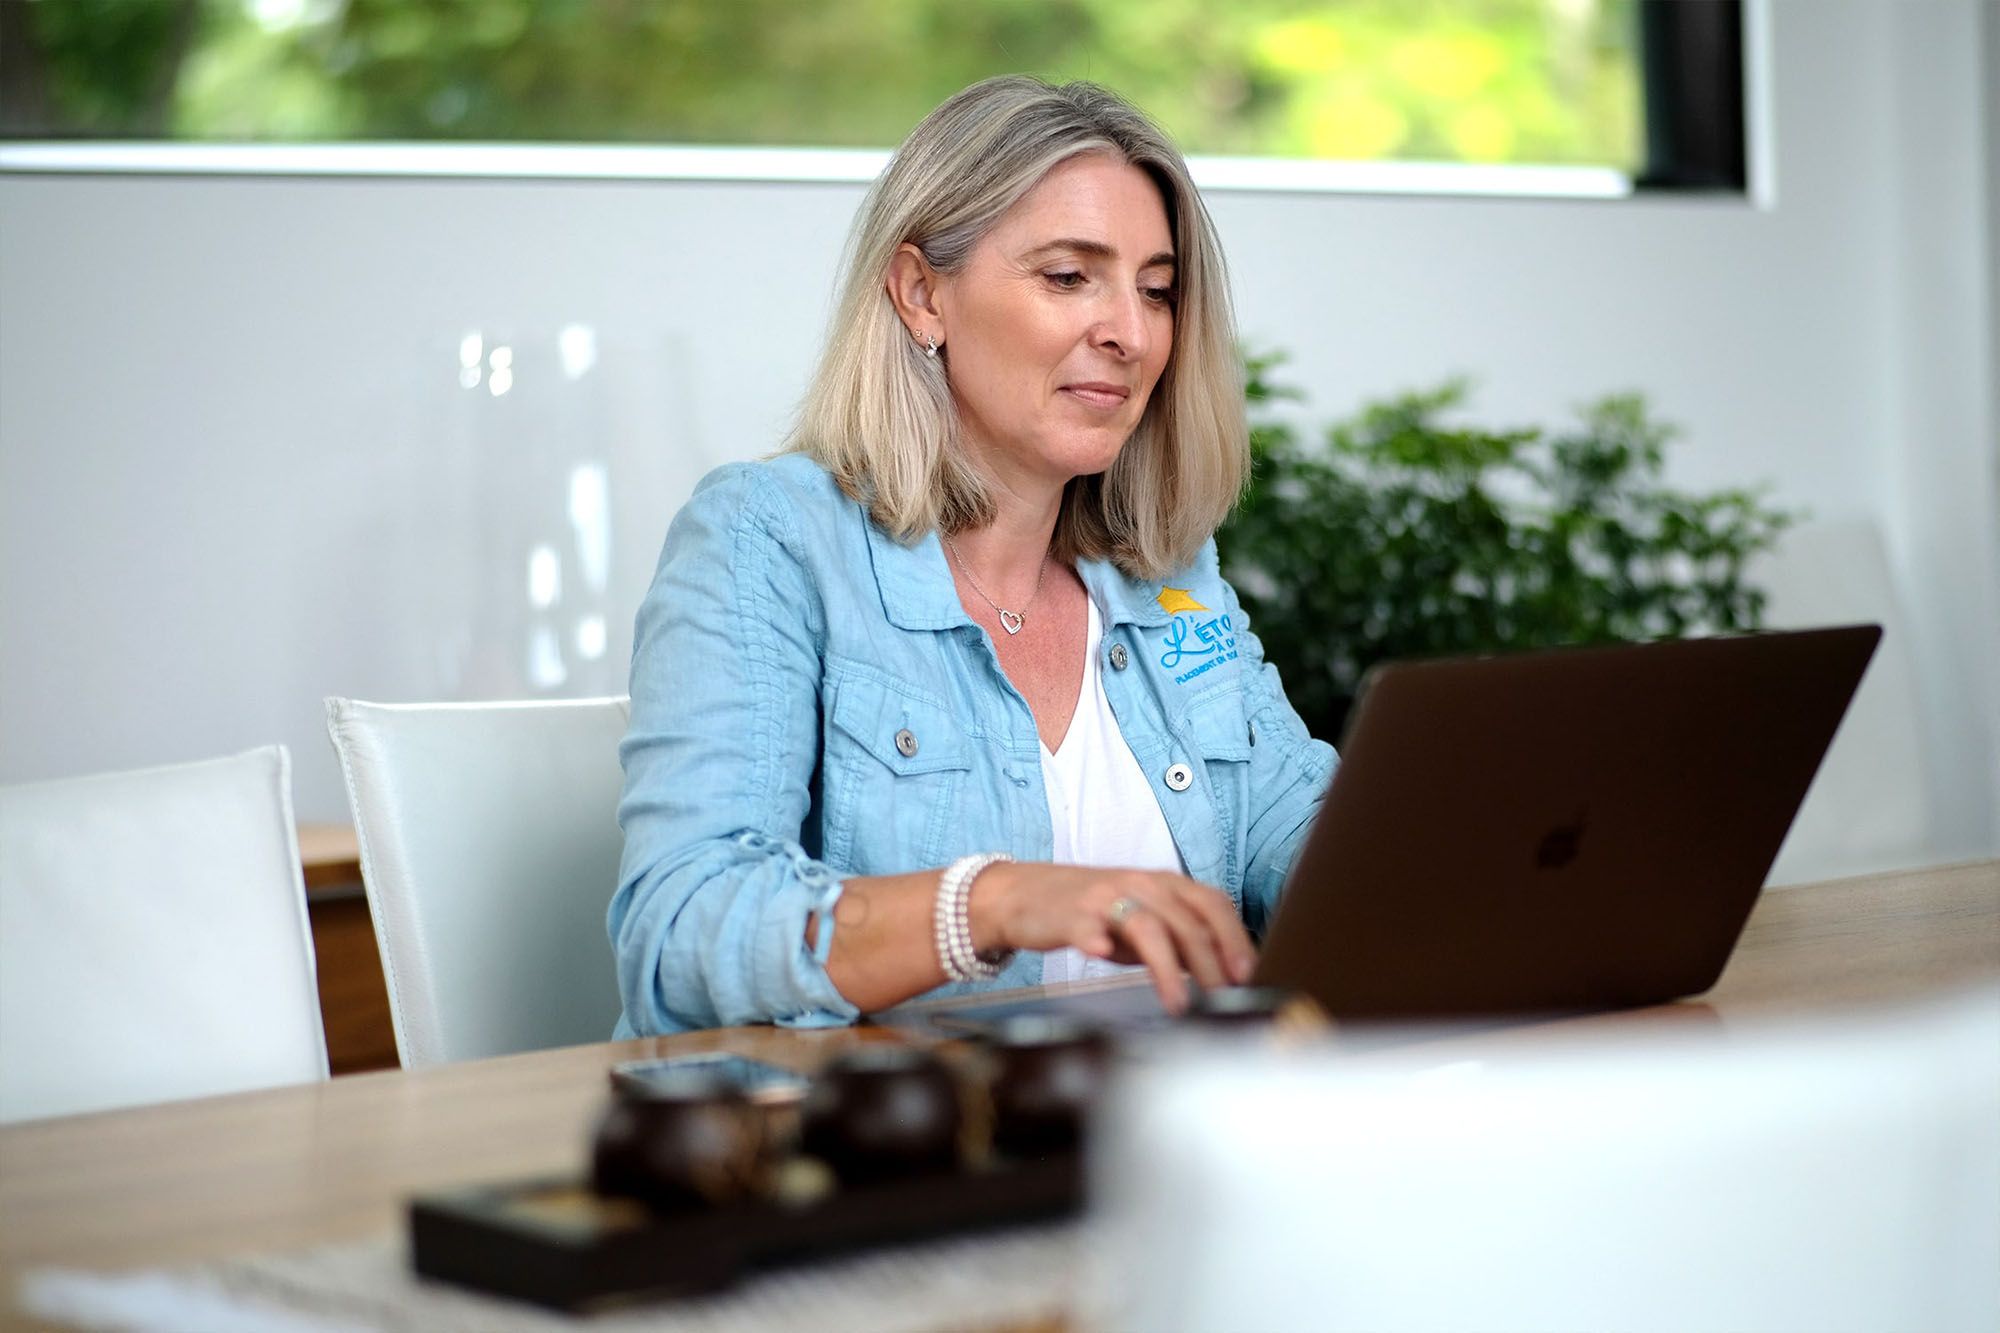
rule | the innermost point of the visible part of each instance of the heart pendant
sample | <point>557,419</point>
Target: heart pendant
<point>1010,621</point>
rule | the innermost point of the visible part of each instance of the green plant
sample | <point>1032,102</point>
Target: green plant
<point>1407,537</point>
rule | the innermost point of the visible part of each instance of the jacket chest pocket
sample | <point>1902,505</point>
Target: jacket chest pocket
<point>894,771</point>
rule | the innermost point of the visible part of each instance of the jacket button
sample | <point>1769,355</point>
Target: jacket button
<point>1180,777</point>
<point>906,743</point>
<point>1118,657</point>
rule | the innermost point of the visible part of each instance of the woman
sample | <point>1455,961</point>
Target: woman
<point>951,693</point>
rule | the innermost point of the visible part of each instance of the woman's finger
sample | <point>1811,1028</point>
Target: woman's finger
<point>1232,942</point>
<point>1148,938</point>
<point>1097,942</point>
<point>1193,936</point>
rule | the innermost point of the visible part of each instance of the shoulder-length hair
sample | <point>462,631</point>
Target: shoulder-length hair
<point>879,413</point>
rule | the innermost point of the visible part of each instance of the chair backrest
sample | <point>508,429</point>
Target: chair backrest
<point>153,938</point>
<point>489,847</point>
<point>1869,808</point>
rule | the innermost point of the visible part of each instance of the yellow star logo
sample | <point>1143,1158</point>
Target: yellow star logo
<point>1174,600</point>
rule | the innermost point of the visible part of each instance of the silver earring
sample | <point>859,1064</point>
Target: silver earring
<point>931,351</point>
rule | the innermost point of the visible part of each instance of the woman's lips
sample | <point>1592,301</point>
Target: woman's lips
<point>1105,396</point>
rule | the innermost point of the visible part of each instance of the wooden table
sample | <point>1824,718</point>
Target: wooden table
<point>329,856</point>
<point>353,997</point>
<point>300,1166</point>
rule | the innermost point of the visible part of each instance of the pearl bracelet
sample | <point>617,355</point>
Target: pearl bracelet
<point>952,921</point>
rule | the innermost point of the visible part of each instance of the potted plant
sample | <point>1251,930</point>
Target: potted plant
<point>1412,535</point>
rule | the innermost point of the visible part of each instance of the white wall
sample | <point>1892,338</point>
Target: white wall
<point>1991,174</point>
<point>236,473</point>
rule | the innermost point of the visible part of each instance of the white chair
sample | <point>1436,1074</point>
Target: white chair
<point>153,938</point>
<point>489,848</point>
<point>1869,808</point>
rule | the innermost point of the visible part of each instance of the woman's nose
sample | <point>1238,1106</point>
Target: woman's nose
<point>1122,326</point>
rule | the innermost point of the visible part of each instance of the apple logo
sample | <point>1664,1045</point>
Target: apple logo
<point>1559,845</point>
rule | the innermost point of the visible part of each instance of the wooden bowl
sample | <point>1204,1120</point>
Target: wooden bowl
<point>883,1112</point>
<point>687,1143</point>
<point>1048,1073</point>
<point>1238,1006</point>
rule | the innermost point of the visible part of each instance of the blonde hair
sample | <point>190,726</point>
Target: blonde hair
<point>879,414</point>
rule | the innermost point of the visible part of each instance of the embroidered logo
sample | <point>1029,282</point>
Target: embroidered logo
<point>1212,638</point>
<point>1175,600</point>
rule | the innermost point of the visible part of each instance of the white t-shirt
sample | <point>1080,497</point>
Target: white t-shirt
<point>1101,808</point>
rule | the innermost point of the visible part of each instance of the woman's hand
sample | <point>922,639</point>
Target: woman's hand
<point>1169,922</point>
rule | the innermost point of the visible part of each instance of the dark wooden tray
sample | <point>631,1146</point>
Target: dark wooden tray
<point>557,1244</point>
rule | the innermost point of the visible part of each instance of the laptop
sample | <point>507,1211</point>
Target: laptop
<point>1537,833</point>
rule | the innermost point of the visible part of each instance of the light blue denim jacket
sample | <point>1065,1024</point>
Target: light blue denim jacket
<point>787,641</point>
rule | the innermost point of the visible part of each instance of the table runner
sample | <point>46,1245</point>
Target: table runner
<point>1015,1277</point>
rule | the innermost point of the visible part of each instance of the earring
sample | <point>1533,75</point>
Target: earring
<point>931,351</point>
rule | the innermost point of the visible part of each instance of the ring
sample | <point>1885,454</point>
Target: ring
<point>1122,909</point>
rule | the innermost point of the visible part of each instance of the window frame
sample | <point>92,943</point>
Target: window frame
<point>1691,55</point>
<point>1693,88</point>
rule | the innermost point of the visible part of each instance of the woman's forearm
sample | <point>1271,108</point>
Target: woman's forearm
<point>883,945</point>
<point>884,948</point>
<point>885,939</point>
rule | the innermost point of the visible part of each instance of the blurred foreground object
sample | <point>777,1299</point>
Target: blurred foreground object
<point>1827,1175</point>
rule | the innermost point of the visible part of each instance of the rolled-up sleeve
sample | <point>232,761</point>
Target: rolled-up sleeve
<point>709,921</point>
<point>1289,774</point>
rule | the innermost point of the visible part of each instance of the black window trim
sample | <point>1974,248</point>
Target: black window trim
<point>1693,87</point>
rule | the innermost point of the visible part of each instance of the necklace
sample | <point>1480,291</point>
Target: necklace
<point>1011,621</point>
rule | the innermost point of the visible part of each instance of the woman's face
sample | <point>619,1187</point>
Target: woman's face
<point>1060,322</point>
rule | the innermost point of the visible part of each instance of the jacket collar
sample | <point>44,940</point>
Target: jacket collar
<point>918,593</point>
<point>1119,599</point>
<point>914,580</point>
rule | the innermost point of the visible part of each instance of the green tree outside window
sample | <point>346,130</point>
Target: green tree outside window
<point>1489,81</point>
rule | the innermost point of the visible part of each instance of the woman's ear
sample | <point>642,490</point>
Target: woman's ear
<point>914,287</point>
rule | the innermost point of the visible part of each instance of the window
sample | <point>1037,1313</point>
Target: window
<point>1566,83</point>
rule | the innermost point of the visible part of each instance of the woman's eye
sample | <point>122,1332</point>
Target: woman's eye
<point>1159,295</point>
<point>1065,280</point>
